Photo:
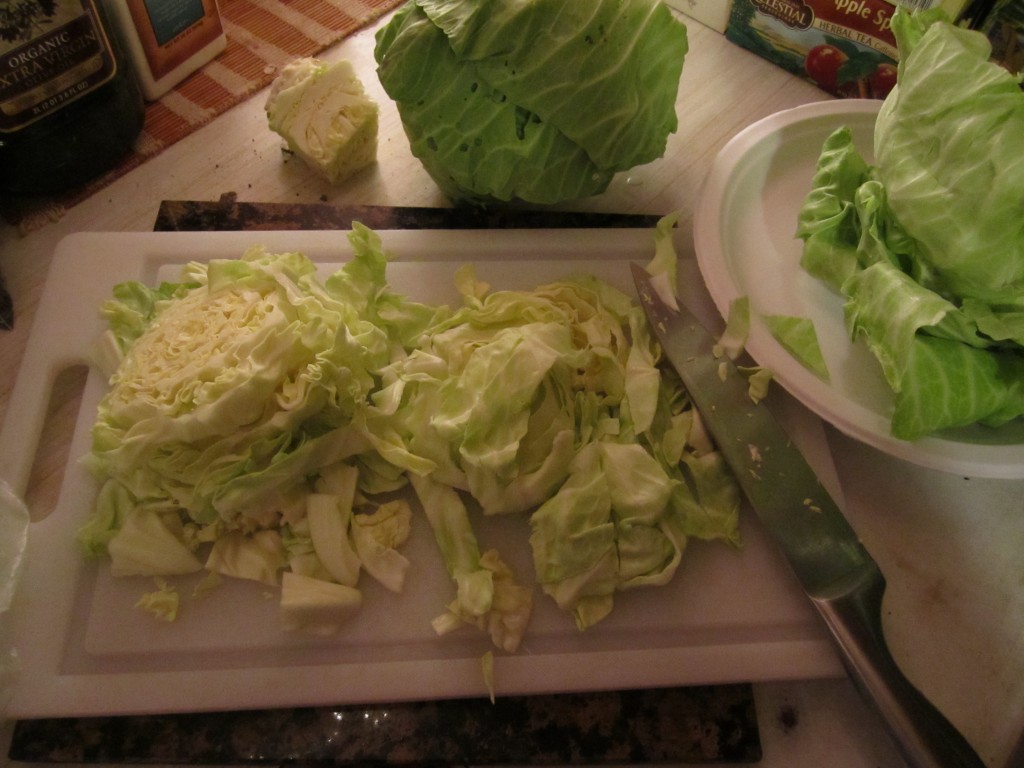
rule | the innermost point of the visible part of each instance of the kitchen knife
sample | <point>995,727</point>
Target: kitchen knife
<point>843,582</point>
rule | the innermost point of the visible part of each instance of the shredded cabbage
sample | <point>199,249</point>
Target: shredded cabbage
<point>258,414</point>
<point>229,425</point>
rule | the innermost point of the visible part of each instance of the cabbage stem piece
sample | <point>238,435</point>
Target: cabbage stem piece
<point>259,557</point>
<point>145,546</point>
<point>315,606</point>
<point>330,518</point>
<point>377,536</point>
<point>323,113</point>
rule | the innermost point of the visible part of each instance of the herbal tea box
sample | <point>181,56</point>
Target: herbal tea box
<point>846,47</point>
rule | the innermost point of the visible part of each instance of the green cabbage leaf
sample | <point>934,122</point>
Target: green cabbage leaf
<point>927,243</point>
<point>229,425</point>
<point>542,101</point>
<point>553,404</point>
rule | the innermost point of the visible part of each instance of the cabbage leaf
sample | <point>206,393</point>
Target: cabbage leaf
<point>798,337</point>
<point>927,243</point>
<point>542,101</point>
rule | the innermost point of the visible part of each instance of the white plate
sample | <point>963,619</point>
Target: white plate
<point>744,236</point>
<point>728,615</point>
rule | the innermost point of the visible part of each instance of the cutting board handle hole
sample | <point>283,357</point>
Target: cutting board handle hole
<point>52,451</point>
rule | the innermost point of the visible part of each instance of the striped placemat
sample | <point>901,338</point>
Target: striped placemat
<point>262,37</point>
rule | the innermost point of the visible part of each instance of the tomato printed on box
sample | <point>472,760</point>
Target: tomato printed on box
<point>846,47</point>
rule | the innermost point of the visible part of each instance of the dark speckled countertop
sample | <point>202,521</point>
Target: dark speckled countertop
<point>228,213</point>
<point>672,725</point>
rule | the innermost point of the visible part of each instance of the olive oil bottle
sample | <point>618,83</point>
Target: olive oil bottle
<point>70,104</point>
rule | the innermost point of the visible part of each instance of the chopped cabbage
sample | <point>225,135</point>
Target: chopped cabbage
<point>314,606</point>
<point>230,418</point>
<point>236,390</point>
<point>330,519</point>
<point>798,337</point>
<point>551,403</point>
<point>733,340</point>
<point>257,414</point>
<point>163,602</point>
<point>377,537</point>
<point>145,544</point>
<point>259,556</point>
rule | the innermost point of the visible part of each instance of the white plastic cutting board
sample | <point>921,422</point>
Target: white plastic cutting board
<point>729,615</point>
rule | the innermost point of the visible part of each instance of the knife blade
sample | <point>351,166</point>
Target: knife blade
<point>841,579</point>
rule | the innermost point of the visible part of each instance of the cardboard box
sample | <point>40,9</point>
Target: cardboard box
<point>846,47</point>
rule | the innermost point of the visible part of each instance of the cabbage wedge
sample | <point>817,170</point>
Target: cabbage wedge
<point>230,422</point>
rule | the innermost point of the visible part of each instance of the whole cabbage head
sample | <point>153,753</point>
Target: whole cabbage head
<point>541,101</point>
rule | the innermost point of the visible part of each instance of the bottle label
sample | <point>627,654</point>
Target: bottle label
<point>52,52</point>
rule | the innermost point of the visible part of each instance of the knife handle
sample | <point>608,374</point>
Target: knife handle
<point>923,735</point>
